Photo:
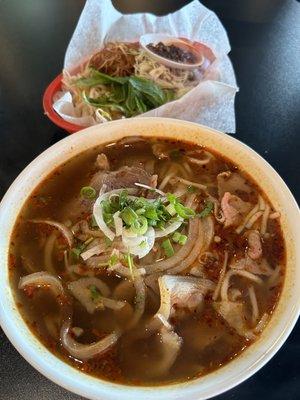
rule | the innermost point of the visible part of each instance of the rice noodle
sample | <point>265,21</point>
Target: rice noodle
<point>261,323</point>
<point>232,272</point>
<point>93,251</point>
<point>264,221</point>
<point>66,232</point>
<point>261,203</point>
<point>253,219</point>
<point>241,227</point>
<point>48,251</point>
<point>187,167</point>
<point>221,277</point>
<point>274,215</point>
<point>166,180</point>
<point>177,179</point>
<point>272,281</point>
<point>197,161</point>
<point>180,255</point>
<point>254,304</point>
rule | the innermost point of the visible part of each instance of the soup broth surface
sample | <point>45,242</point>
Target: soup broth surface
<point>147,261</point>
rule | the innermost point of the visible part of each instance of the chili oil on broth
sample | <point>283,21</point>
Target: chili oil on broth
<point>207,340</point>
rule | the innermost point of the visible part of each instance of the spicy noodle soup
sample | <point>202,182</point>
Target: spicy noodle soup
<point>147,262</point>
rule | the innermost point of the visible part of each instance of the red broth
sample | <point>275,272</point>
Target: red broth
<point>222,268</point>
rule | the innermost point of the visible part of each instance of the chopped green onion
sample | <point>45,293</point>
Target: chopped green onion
<point>143,244</point>
<point>75,252</point>
<point>94,292</point>
<point>139,226</point>
<point>129,261</point>
<point>168,248</point>
<point>171,209</point>
<point>179,238</point>
<point>128,215</point>
<point>191,189</point>
<point>209,205</point>
<point>182,240</point>
<point>176,236</point>
<point>123,199</point>
<point>113,260</point>
<point>140,211</point>
<point>88,192</point>
<point>151,213</point>
<point>161,225</point>
<point>184,212</point>
<point>172,199</point>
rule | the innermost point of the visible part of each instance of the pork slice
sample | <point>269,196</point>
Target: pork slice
<point>234,314</point>
<point>234,209</point>
<point>182,292</point>
<point>233,183</point>
<point>257,267</point>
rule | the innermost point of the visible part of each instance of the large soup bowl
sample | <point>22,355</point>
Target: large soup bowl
<point>226,377</point>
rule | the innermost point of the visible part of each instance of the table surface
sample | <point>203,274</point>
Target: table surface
<point>265,40</point>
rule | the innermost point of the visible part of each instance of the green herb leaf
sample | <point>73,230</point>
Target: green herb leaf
<point>209,206</point>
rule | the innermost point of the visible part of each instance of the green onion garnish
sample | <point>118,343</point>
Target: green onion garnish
<point>206,210</point>
<point>191,189</point>
<point>139,226</point>
<point>179,238</point>
<point>168,248</point>
<point>88,192</point>
<point>113,260</point>
<point>184,212</point>
<point>94,292</point>
<point>128,215</point>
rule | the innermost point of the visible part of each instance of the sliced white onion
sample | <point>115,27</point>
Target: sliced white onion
<point>66,232</point>
<point>118,223</point>
<point>86,351</point>
<point>41,279</point>
<point>93,251</point>
<point>139,245</point>
<point>169,229</point>
<point>98,212</point>
<point>150,188</point>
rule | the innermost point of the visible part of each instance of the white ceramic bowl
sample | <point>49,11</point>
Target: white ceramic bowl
<point>167,40</point>
<point>230,375</point>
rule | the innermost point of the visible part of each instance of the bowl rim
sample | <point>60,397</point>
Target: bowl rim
<point>68,377</point>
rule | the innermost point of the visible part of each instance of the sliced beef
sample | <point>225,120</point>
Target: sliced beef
<point>233,183</point>
<point>234,209</point>
<point>254,245</point>
<point>257,267</point>
<point>234,313</point>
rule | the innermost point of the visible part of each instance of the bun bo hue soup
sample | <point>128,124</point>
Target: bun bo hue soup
<point>147,262</point>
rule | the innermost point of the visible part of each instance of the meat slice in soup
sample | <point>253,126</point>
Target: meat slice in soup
<point>146,262</point>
